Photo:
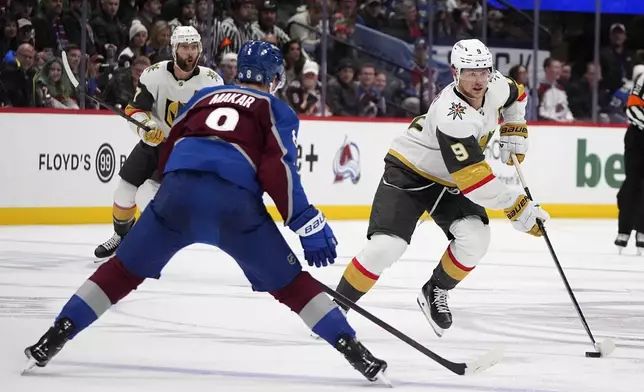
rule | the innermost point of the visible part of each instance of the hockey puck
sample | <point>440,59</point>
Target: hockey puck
<point>593,354</point>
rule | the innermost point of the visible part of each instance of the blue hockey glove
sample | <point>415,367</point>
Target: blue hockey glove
<point>316,237</point>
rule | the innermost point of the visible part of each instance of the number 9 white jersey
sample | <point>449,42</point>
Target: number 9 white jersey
<point>160,95</point>
<point>447,144</point>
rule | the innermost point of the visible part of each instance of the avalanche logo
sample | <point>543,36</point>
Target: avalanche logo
<point>347,162</point>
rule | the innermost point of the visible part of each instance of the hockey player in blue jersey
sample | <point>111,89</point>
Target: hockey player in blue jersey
<point>227,147</point>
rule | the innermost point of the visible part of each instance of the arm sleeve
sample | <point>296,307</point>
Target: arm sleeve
<point>278,171</point>
<point>465,161</point>
<point>514,108</point>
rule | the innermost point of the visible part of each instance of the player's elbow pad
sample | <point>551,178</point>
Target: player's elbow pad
<point>478,183</point>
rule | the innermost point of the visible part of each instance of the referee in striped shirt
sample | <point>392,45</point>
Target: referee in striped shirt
<point>630,198</point>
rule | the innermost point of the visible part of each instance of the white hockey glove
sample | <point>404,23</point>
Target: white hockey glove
<point>154,136</point>
<point>513,140</point>
<point>524,214</point>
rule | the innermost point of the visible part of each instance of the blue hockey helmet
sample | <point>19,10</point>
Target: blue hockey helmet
<point>260,62</point>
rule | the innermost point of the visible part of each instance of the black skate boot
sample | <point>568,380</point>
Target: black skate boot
<point>362,360</point>
<point>108,248</point>
<point>49,344</point>
<point>433,302</point>
<point>621,241</point>
<point>639,243</point>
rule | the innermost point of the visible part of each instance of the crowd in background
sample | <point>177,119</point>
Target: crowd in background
<point>126,36</point>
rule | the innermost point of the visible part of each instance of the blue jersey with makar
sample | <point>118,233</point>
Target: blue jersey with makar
<point>247,137</point>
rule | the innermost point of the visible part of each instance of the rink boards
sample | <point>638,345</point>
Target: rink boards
<point>60,167</point>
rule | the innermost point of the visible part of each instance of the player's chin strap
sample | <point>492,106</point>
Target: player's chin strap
<point>74,81</point>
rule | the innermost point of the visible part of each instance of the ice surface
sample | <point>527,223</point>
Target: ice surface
<point>201,328</point>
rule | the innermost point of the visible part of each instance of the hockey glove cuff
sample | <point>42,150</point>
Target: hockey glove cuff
<point>316,237</point>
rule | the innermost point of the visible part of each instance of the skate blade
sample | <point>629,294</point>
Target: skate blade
<point>485,362</point>
<point>428,315</point>
<point>31,362</point>
<point>99,261</point>
<point>382,378</point>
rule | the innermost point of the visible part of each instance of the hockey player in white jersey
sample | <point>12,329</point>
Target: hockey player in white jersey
<point>163,89</point>
<point>439,166</point>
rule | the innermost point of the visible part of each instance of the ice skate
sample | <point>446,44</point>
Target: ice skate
<point>362,360</point>
<point>433,302</point>
<point>107,248</point>
<point>49,344</point>
<point>639,243</point>
<point>621,241</point>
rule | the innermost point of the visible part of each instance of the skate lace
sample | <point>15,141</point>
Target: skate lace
<point>625,237</point>
<point>112,242</point>
<point>440,300</point>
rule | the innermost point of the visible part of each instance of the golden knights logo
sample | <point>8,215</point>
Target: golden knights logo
<point>347,162</point>
<point>171,110</point>
<point>456,110</point>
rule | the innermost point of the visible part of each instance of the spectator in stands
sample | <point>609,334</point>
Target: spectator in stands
<point>74,58</point>
<point>348,9</point>
<point>121,88</point>
<point>109,32</point>
<point>265,25</point>
<point>340,47</point>
<point>468,15</point>
<point>566,74</point>
<point>294,60</point>
<point>23,8</point>
<point>17,76</point>
<point>520,75</point>
<point>149,13</point>
<point>305,95</point>
<point>138,39</point>
<point>553,101</point>
<point>9,38</point>
<point>52,88</point>
<point>48,25</point>
<point>72,19</point>
<point>343,92</point>
<point>304,26</point>
<point>159,46</point>
<point>228,68</point>
<point>43,57</point>
<point>407,27</point>
<point>371,15</point>
<point>496,26</point>
<point>616,60</point>
<point>235,30</point>
<point>26,33</point>
<point>580,94</point>
<point>372,103</point>
<point>187,16</point>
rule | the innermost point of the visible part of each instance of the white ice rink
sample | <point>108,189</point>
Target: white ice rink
<point>201,328</point>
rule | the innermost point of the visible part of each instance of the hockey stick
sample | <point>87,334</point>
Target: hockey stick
<point>485,362</point>
<point>603,348</point>
<point>72,78</point>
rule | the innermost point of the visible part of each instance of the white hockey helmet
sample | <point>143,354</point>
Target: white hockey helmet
<point>471,54</point>
<point>185,35</point>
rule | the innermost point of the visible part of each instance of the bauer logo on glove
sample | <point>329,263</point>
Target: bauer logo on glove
<point>513,140</point>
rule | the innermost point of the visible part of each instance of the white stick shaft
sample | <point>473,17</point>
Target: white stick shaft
<point>517,166</point>
<point>68,70</point>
